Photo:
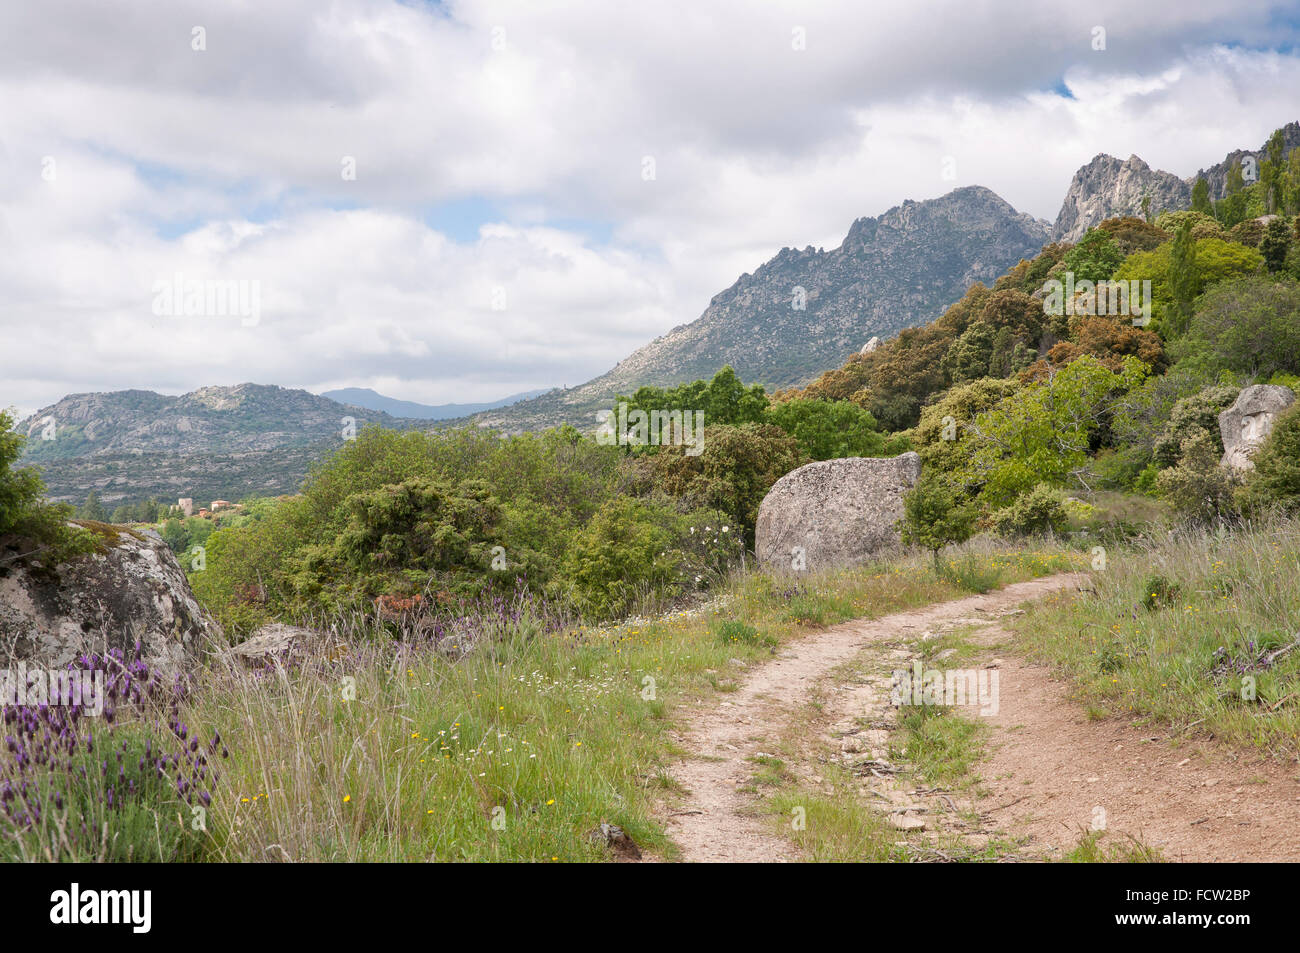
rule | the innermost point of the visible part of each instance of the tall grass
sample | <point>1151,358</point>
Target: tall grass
<point>506,735</point>
<point>513,751</point>
<point>1190,629</point>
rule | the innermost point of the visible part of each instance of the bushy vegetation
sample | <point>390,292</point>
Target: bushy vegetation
<point>38,529</point>
<point>1014,399</point>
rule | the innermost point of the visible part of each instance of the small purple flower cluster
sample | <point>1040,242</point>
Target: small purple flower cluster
<point>52,757</point>
<point>1254,659</point>
<point>794,591</point>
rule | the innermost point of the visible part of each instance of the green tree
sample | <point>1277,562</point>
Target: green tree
<point>1183,278</point>
<point>935,515</point>
<point>827,429</point>
<point>1272,172</point>
<point>723,400</point>
<point>1198,487</point>
<point>1201,197</point>
<point>23,511</point>
<point>1095,257</point>
<point>1275,244</point>
<point>20,489</point>
<point>1250,326</point>
<point>1291,184</point>
<point>1234,206</point>
<point>92,509</point>
<point>732,475</point>
<point>1044,433</point>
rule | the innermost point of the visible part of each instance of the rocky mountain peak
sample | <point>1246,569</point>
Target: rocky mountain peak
<point>805,310</point>
<point>1108,186</point>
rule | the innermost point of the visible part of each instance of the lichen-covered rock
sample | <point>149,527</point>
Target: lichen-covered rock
<point>131,590</point>
<point>834,512</point>
<point>1249,420</point>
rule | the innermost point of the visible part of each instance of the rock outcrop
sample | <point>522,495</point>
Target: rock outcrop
<point>131,590</point>
<point>1216,176</point>
<point>834,513</point>
<point>1106,187</point>
<point>1249,420</point>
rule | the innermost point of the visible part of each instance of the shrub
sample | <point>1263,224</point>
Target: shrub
<point>732,474</point>
<point>827,429</point>
<point>1198,488</point>
<point>1250,326</point>
<point>1276,477</point>
<point>23,512</point>
<point>1038,511</point>
<point>1198,413</point>
<point>1275,244</point>
<point>934,515</point>
<point>1095,257</point>
<point>403,538</point>
<point>636,552</point>
<point>1158,593</point>
<point>1203,225</point>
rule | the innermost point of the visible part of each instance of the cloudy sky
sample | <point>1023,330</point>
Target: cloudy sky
<point>458,201</point>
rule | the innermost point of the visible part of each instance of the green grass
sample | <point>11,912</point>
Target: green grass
<point>941,748</point>
<point>1182,632</point>
<point>1092,850</point>
<point>969,573</point>
<point>514,752</point>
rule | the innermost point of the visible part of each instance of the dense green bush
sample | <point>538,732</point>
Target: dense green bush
<point>405,513</point>
<point>723,400</point>
<point>637,552</point>
<point>935,515</point>
<point>405,538</point>
<point>1250,326</point>
<point>732,474</point>
<point>23,511</point>
<point>1041,510</point>
<point>1095,257</point>
<point>827,429</point>
<point>1198,488</point>
<point>1198,413</point>
<point>1276,478</point>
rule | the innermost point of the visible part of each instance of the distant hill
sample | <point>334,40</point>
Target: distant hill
<point>892,272</point>
<point>371,400</point>
<point>216,442</point>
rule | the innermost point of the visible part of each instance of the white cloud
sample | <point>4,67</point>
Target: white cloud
<point>226,163</point>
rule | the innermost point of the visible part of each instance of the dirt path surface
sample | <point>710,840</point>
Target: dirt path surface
<point>715,821</point>
<point>1054,775</point>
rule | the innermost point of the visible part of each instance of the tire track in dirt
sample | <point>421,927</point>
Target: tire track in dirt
<point>715,821</point>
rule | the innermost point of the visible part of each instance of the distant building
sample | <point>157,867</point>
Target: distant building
<point>221,505</point>
<point>204,513</point>
<point>187,505</point>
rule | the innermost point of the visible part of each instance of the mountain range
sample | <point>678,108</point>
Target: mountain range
<point>1106,187</point>
<point>800,313</point>
<point>213,443</point>
<point>369,399</point>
